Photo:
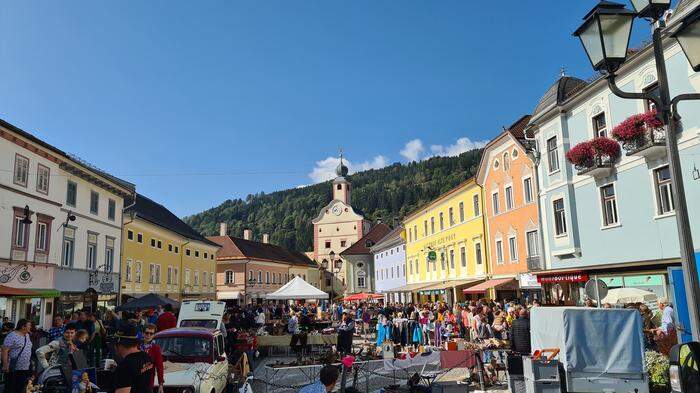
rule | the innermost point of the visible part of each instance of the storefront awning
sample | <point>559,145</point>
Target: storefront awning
<point>486,285</point>
<point>409,287</point>
<point>229,295</point>
<point>448,284</point>
<point>27,293</point>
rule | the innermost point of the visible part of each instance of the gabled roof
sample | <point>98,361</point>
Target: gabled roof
<point>389,240</point>
<point>238,248</point>
<point>515,131</point>
<point>375,234</point>
<point>157,214</point>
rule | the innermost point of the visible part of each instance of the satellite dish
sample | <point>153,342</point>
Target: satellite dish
<point>596,289</point>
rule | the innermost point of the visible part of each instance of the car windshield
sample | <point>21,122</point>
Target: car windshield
<point>184,347</point>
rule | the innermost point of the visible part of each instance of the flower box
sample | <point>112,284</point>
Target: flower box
<point>595,157</point>
<point>642,135</point>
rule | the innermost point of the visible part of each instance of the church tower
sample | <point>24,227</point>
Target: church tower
<point>341,186</point>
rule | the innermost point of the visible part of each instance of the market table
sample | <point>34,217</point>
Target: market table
<point>285,340</point>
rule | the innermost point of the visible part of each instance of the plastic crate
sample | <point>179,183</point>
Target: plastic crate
<point>537,370</point>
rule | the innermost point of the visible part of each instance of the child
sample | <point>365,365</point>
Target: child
<point>81,338</point>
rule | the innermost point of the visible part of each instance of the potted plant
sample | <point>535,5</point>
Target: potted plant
<point>594,157</point>
<point>639,131</point>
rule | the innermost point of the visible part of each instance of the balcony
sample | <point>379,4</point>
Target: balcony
<point>651,144</point>
<point>595,158</point>
<point>534,263</point>
<point>642,135</point>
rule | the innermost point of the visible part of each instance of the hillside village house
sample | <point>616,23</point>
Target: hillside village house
<point>248,270</point>
<point>507,176</point>
<point>164,255</point>
<point>62,230</point>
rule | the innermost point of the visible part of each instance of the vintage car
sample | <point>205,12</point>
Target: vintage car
<point>193,352</point>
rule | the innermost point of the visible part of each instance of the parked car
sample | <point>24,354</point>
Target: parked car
<point>193,352</point>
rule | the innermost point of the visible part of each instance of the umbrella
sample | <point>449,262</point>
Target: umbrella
<point>629,295</point>
<point>149,301</point>
<point>363,296</point>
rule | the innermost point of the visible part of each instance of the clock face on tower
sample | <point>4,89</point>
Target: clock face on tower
<point>337,210</point>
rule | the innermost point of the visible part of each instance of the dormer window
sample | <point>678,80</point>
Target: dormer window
<point>339,186</point>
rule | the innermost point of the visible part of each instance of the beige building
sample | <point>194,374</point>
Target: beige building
<point>337,227</point>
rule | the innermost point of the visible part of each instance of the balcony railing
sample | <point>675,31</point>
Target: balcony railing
<point>651,143</point>
<point>534,263</point>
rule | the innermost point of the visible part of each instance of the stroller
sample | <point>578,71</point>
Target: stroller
<point>57,379</point>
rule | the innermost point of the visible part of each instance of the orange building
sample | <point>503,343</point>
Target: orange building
<point>507,177</point>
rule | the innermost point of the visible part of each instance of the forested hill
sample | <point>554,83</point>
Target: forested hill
<point>387,194</point>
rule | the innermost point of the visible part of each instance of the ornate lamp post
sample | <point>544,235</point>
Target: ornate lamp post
<point>334,268</point>
<point>251,283</point>
<point>605,36</point>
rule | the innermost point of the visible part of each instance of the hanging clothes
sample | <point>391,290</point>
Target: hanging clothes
<point>438,334</point>
<point>417,334</point>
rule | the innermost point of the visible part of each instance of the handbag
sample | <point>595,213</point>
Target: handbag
<point>13,361</point>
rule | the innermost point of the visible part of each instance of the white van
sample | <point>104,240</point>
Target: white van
<point>201,313</point>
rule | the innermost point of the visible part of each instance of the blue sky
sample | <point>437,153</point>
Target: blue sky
<point>197,102</point>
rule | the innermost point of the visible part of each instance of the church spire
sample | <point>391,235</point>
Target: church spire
<point>341,186</point>
<point>341,170</point>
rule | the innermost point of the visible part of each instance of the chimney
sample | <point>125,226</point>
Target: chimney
<point>266,238</point>
<point>223,230</point>
<point>248,234</point>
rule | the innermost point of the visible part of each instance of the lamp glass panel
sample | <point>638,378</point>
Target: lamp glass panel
<point>689,39</point>
<point>616,34</point>
<point>590,38</point>
<point>639,5</point>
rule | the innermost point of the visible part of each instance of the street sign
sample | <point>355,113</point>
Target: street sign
<point>596,289</point>
<point>432,256</point>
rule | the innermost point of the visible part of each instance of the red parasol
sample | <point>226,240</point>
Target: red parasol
<point>362,296</point>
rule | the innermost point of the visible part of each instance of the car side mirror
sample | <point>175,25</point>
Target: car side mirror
<point>684,360</point>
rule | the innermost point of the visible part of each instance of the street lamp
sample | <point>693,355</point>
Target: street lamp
<point>251,283</point>
<point>605,37</point>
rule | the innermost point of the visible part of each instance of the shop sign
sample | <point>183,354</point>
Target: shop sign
<point>564,277</point>
<point>528,280</point>
<point>432,256</point>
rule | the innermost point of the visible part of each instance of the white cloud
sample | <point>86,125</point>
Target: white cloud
<point>325,169</point>
<point>459,147</point>
<point>413,150</point>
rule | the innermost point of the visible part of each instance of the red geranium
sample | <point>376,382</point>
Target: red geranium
<point>597,150</point>
<point>581,155</point>
<point>605,148</point>
<point>634,127</point>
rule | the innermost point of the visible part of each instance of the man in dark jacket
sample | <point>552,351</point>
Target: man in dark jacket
<point>520,334</point>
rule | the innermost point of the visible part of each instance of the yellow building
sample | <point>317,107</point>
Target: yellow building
<point>163,255</point>
<point>446,247</point>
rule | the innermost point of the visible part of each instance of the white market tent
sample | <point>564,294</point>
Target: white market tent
<point>297,289</point>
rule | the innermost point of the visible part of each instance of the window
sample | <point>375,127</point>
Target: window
<point>137,271</point>
<point>559,217</point>
<point>461,212</point>
<point>609,204</point>
<point>170,248</point>
<point>177,250</point>
<point>127,271</point>
<point>42,237</point>
<point>206,255</point>
<point>410,267</point>
<point>169,277</point>
<point>21,233</point>
<point>91,251</point>
<point>452,259</point>
<point>494,203</point>
<point>250,275</point>
<point>664,190</point>
<point>211,278</point>
<point>42,179</point>
<point>130,234</point>
<point>506,162</point>
<point>417,266</point>
<point>451,216</point>
<point>477,253</point>
<point>499,252</point>
<point>153,242</point>
<point>415,232</point>
<point>532,244</point>
<point>68,251</point>
<point>196,253</point>
<point>94,202</point>
<point>187,276</point>
<point>513,248</point>
<point>139,238</point>
<point>600,128</point>
<point>509,197</point>
<point>204,279</point>
<point>328,244</point>
<point>442,222</point>
<point>425,228</point>
<point>71,193</point>
<point>152,273</point>
<point>361,281</point>
<point>463,256</point>
<point>196,278</point>
<point>188,252</point>
<point>475,201</point>
<point>267,277</point>
<point>160,245</point>
<point>410,235</point>
<point>176,276</point>
<point>157,274</point>
<point>343,243</point>
<point>432,224</point>
<point>111,209</point>
<point>652,89</point>
<point>552,154</point>
<point>21,170</point>
<point>109,255</point>
<point>527,189</point>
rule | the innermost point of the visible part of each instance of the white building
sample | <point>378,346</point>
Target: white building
<point>390,265</point>
<point>60,234</point>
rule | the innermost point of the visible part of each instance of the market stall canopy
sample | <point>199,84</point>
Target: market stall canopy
<point>146,302</point>
<point>229,295</point>
<point>10,291</point>
<point>297,289</point>
<point>409,287</point>
<point>628,295</point>
<point>486,285</point>
<point>363,296</point>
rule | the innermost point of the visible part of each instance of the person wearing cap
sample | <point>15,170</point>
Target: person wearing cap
<point>136,370</point>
